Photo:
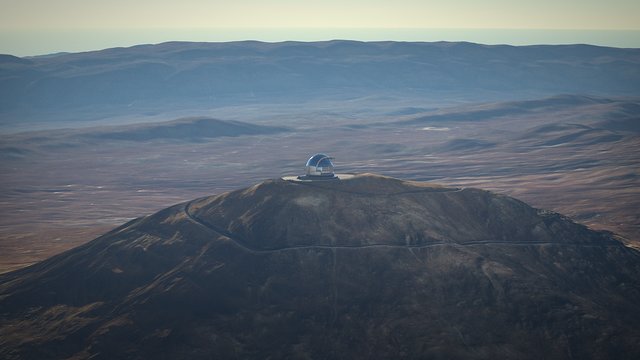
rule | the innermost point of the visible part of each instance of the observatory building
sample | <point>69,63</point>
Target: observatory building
<point>318,168</point>
<point>319,165</point>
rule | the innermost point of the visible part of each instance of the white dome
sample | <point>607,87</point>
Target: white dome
<point>319,165</point>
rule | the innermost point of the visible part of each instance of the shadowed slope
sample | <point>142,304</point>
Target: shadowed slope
<point>370,267</point>
<point>384,211</point>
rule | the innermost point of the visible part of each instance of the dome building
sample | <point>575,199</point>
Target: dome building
<point>319,165</point>
<point>318,168</point>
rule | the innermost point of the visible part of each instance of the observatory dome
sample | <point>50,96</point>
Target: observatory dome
<point>319,165</point>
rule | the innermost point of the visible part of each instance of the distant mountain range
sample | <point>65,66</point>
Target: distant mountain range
<point>180,75</point>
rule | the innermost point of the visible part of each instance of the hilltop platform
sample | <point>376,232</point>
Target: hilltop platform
<point>305,178</point>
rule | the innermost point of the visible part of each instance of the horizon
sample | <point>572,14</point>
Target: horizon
<point>77,26</point>
<point>26,43</point>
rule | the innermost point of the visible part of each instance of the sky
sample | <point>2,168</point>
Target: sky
<point>29,27</point>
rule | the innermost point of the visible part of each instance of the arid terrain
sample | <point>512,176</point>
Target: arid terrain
<point>571,154</point>
<point>359,268</point>
<point>214,117</point>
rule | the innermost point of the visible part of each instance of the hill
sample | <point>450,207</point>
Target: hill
<point>567,153</point>
<point>182,75</point>
<point>370,267</point>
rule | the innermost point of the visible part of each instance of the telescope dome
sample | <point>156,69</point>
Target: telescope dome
<point>319,165</point>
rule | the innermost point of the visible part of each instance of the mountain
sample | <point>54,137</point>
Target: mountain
<point>193,128</point>
<point>185,131</point>
<point>179,75</point>
<point>557,105</point>
<point>367,267</point>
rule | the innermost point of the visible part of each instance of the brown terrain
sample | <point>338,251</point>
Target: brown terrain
<point>369,267</point>
<point>513,234</point>
<point>571,154</point>
<point>90,140</point>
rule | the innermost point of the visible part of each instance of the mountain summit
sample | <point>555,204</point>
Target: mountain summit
<point>368,267</point>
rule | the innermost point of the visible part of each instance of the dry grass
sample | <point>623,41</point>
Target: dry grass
<point>63,192</point>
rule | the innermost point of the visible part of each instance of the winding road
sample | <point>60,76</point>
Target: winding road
<point>239,242</point>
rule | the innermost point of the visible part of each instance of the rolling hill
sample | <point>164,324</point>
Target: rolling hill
<point>181,75</point>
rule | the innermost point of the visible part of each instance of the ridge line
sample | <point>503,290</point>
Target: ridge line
<point>240,243</point>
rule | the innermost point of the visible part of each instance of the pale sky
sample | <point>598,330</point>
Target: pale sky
<point>22,20</point>
<point>536,14</point>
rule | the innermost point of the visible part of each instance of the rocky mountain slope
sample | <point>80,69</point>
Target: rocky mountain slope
<point>369,267</point>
